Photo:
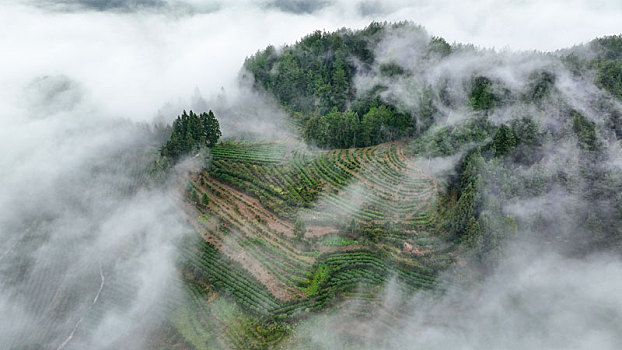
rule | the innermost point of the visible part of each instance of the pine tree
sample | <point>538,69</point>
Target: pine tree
<point>473,235</point>
<point>211,128</point>
<point>316,130</point>
<point>482,97</point>
<point>352,227</point>
<point>190,132</point>
<point>504,141</point>
<point>373,125</point>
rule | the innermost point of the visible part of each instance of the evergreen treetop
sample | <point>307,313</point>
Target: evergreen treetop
<point>190,132</point>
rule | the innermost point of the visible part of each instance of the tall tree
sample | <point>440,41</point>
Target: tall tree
<point>211,129</point>
<point>316,130</point>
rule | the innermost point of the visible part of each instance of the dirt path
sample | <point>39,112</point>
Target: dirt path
<point>232,249</point>
<point>320,230</point>
<point>235,252</point>
<point>249,206</point>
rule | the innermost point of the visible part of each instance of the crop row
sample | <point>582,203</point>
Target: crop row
<point>393,191</point>
<point>255,153</point>
<point>207,264</point>
<point>272,250</point>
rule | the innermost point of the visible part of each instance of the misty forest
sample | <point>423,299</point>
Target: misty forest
<point>377,187</point>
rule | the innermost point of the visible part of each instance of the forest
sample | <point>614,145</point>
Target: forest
<point>314,80</point>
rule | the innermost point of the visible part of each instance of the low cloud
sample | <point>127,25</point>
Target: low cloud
<point>88,250</point>
<point>535,299</point>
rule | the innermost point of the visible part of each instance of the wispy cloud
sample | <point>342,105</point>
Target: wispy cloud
<point>73,216</point>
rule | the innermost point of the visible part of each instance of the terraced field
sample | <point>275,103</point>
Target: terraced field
<point>367,219</point>
<point>374,183</point>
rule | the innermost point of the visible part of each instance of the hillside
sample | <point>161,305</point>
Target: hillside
<point>421,163</point>
<point>365,215</point>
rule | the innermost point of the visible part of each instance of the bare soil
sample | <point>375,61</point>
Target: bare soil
<point>320,230</point>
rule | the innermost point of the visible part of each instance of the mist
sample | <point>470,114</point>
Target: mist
<point>89,243</point>
<point>549,284</point>
<point>550,303</point>
<point>135,56</point>
<point>88,250</point>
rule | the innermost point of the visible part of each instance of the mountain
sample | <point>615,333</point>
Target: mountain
<point>425,174</point>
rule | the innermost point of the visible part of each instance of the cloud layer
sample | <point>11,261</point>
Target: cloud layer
<point>88,253</point>
<point>134,56</point>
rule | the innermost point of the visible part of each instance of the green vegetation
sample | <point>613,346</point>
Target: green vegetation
<point>482,98</point>
<point>316,73</point>
<point>318,183</point>
<point>287,231</point>
<point>263,198</point>
<point>608,63</point>
<point>346,129</point>
<point>604,60</point>
<point>610,76</point>
<point>336,241</point>
<point>314,80</point>
<point>448,140</point>
<point>190,132</point>
<point>503,141</point>
<point>585,131</point>
<point>300,228</point>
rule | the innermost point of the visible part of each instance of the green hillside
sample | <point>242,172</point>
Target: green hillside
<point>288,232</point>
<point>414,162</point>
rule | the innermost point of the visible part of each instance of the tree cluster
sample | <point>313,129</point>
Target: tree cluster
<point>314,80</point>
<point>191,132</point>
<point>346,129</point>
<point>604,58</point>
<point>315,74</point>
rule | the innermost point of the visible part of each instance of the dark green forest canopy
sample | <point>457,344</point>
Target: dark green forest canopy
<point>604,56</point>
<point>314,80</point>
<point>315,75</point>
<point>191,131</point>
